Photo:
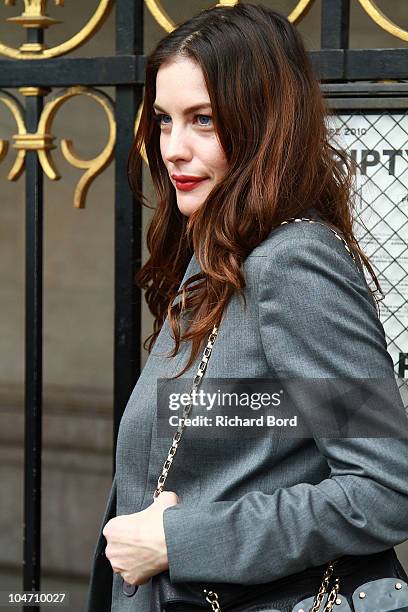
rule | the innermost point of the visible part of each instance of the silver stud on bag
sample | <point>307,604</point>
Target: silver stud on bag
<point>398,586</point>
<point>338,601</point>
<point>362,595</point>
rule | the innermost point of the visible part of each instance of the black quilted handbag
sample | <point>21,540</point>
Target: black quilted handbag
<point>367,583</point>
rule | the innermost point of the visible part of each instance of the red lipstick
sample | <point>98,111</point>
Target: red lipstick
<point>187,182</point>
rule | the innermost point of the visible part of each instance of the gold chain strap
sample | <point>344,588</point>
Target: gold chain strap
<point>186,412</point>
<point>331,599</point>
<point>212,598</point>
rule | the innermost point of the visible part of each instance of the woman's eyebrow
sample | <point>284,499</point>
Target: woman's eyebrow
<point>191,109</point>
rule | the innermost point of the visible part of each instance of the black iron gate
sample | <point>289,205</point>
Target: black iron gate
<point>357,81</point>
<point>38,72</point>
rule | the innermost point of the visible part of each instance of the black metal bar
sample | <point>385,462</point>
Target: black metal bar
<point>128,220</point>
<point>360,64</point>
<point>129,28</point>
<point>33,359</point>
<point>330,64</point>
<point>366,96</point>
<point>365,64</point>
<point>63,72</point>
<point>368,104</point>
<point>335,20</point>
<point>33,350</point>
<point>365,89</point>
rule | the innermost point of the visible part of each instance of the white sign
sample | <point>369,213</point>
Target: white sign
<point>378,143</point>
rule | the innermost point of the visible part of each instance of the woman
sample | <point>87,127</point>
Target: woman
<point>234,128</point>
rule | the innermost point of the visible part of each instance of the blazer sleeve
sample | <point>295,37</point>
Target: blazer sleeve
<point>99,596</point>
<point>317,319</point>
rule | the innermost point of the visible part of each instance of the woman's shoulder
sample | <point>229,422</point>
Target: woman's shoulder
<point>309,242</point>
<point>311,261</point>
<point>295,234</point>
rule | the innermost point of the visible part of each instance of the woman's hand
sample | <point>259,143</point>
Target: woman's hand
<point>136,544</point>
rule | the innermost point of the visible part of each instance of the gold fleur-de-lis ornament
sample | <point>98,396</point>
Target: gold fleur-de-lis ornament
<point>35,13</point>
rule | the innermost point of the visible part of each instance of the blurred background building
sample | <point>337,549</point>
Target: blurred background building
<point>78,306</point>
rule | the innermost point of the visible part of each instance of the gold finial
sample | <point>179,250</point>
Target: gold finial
<point>34,15</point>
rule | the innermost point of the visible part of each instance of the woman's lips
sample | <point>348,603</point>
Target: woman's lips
<point>189,185</point>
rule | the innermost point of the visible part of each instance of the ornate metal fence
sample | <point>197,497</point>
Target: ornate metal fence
<point>38,72</point>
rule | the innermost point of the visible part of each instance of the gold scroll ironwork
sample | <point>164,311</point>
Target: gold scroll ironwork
<point>382,20</point>
<point>167,23</point>
<point>17,111</point>
<point>94,166</point>
<point>35,16</point>
<point>298,13</point>
<point>42,140</point>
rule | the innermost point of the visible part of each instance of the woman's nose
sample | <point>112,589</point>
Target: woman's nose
<point>177,146</point>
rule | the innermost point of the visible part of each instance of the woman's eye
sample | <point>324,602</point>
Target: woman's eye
<point>205,117</point>
<point>163,119</point>
<point>159,116</point>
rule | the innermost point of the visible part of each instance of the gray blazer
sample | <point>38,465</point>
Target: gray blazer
<point>254,510</point>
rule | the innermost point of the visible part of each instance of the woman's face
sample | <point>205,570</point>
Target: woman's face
<point>188,143</point>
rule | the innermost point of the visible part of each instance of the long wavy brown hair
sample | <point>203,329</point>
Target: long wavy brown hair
<point>269,115</point>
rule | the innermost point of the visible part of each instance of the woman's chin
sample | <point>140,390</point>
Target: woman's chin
<point>187,208</point>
